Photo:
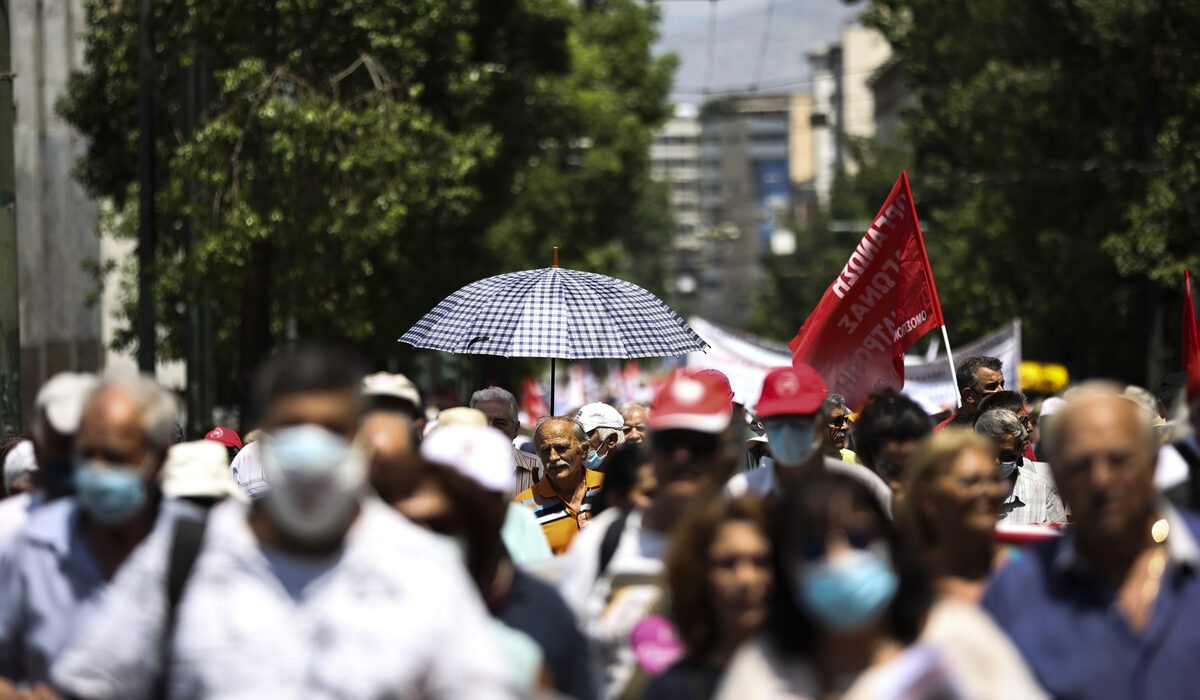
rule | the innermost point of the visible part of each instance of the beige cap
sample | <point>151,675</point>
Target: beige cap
<point>199,469</point>
<point>394,385</point>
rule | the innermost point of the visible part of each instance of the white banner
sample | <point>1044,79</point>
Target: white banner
<point>746,359</point>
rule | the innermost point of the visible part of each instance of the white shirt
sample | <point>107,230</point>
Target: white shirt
<point>527,469</point>
<point>247,471</point>
<point>632,580</point>
<point>395,617</point>
<point>14,513</point>
<point>1032,501</point>
<point>762,481</point>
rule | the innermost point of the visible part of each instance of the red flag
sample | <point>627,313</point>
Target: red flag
<point>883,301</point>
<point>533,401</point>
<point>1190,350</point>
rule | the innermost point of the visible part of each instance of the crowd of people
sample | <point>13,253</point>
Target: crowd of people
<point>356,545</point>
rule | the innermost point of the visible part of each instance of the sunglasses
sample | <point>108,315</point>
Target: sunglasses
<point>696,443</point>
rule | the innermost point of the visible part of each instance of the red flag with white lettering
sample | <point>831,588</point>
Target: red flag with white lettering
<point>883,301</point>
<point>1190,347</point>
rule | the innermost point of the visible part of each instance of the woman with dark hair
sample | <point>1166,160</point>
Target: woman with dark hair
<point>847,607</point>
<point>719,579</point>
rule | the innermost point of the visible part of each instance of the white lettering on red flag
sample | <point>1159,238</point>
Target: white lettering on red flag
<point>883,301</point>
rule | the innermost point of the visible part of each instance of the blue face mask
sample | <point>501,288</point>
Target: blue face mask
<point>593,460</point>
<point>792,443</point>
<point>849,590</point>
<point>109,493</point>
<point>1006,469</point>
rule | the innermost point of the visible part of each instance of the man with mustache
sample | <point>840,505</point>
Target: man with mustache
<point>562,502</point>
<point>834,407</point>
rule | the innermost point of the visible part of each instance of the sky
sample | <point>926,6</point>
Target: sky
<point>738,60</point>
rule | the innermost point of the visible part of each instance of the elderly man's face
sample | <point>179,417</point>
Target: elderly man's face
<point>561,453</point>
<point>1105,466</point>
<point>112,430</point>
<point>499,417</point>
<point>838,428</point>
<point>635,425</point>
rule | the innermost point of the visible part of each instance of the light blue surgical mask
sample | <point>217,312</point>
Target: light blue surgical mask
<point>593,460</point>
<point>792,443</point>
<point>316,479</point>
<point>848,590</point>
<point>110,493</point>
<point>307,450</point>
<point>1006,469</point>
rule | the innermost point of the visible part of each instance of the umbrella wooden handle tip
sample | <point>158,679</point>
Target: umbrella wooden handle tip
<point>555,256</point>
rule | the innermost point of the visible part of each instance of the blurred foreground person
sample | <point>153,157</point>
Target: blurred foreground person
<point>563,500</point>
<point>846,608</point>
<point>719,579</point>
<point>384,392</point>
<point>1028,498</point>
<point>54,571</point>
<point>633,415</point>
<point>315,589</point>
<point>947,514</point>
<point>500,407</point>
<point>1110,610</point>
<point>522,535</point>
<point>613,579</point>
<point>57,408</point>
<point>794,411</point>
<point>198,472</point>
<point>628,479</point>
<point>887,431</point>
<point>20,467</point>
<point>465,499</point>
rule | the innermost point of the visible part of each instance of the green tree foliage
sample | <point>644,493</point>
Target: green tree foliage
<point>1055,165</point>
<point>354,162</point>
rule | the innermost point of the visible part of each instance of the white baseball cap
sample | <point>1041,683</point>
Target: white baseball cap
<point>599,415</point>
<point>62,399</point>
<point>19,460</point>
<point>394,385</point>
<point>199,469</point>
<point>481,453</point>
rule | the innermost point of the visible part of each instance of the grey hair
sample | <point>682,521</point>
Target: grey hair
<point>580,433</point>
<point>833,400</point>
<point>998,422</point>
<point>630,405</point>
<point>605,432</point>
<point>159,407</point>
<point>495,393</point>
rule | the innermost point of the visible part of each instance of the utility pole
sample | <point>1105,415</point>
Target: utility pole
<point>10,338</point>
<point>147,240</point>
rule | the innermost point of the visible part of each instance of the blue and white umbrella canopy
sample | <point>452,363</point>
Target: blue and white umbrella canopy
<point>557,313</point>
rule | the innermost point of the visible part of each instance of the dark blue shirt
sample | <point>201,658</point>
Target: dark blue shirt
<point>1064,619</point>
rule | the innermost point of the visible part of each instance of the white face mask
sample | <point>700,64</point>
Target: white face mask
<point>317,479</point>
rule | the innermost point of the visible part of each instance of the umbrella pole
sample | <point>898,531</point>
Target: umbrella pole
<point>552,380</point>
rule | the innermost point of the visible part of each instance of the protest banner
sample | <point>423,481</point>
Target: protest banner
<point>883,301</point>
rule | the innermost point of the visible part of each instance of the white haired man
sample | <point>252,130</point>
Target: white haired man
<point>1028,497</point>
<point>500,407</point>
<point>53,572</point>
<point>605,430</point>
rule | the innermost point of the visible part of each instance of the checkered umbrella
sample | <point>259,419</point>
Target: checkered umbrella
<point>557,313</point>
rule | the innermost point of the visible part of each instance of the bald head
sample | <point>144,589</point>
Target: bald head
<point>1102,449</point>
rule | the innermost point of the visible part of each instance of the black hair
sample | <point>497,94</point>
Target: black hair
<point>804,514</point>
<point>967,368</point>
<point>888,415</point>
<point>1008,400</point>
<point>309,367</point>
<point>620,475</point>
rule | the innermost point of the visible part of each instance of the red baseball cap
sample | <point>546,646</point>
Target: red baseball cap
<point>225,436</point>
<point>693,400</point>
<point>786,391</point>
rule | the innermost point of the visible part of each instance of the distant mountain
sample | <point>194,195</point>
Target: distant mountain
<point>796,27</point>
